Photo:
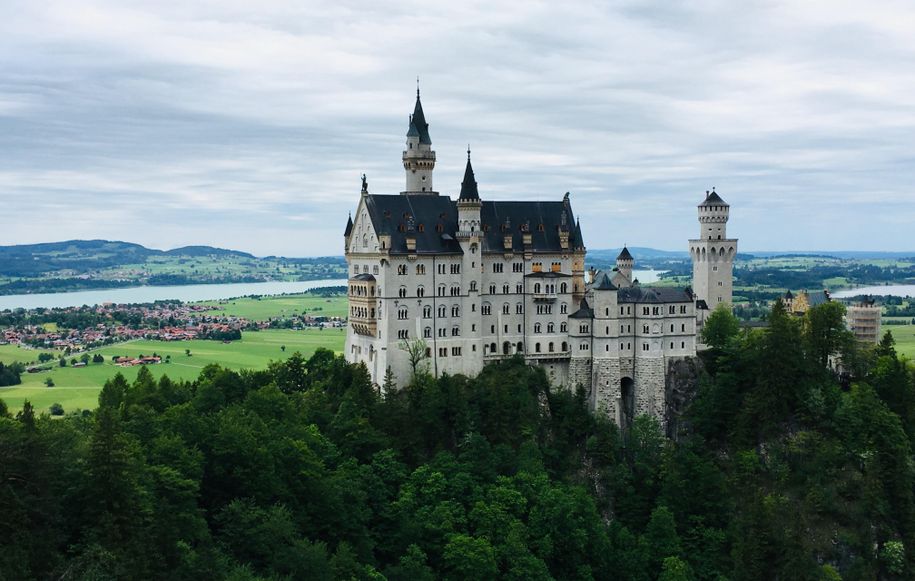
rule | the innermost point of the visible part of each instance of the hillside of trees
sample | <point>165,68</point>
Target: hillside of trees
<point>787,471</point>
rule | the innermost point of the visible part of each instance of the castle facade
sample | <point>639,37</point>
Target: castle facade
<point>452,285</point>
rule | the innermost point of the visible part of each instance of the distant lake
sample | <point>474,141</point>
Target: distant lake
<point>148,294</point>
<point>192,292</point>
<point>892,290</point>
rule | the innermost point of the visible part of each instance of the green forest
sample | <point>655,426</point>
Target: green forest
<point>783,469</point>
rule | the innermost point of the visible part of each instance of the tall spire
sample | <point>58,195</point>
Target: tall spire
<point>469,189</point>
<point>419,119</point>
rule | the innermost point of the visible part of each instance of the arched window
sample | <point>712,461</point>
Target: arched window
<point>537,327</point>
<point>563,328</point>
<point>520,348</point>
<point>402,292</point>
<point>506,308</point>
<point>537,348</point>
<point>427,312</point>
<point>565,346</point>
<point>402,313</point>
<point>505,289</point>
<point>563,308</point>
<point>563,288</point>
<point>455,311</point>
<point>550,347</point>
<point>427,332</point>
<point>487,309</point>
<point>537,288</point>
<point>492,289</point>
<point>550,328</point>
<point>420,291</point>
<point>506,348</point>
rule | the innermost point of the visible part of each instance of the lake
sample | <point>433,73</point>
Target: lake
<point>148,294</point>
<point>893,290</point>
<point>191,292</point>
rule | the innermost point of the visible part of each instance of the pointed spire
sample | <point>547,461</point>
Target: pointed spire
<point>419,119</point>
<point>349,226</point>
<point>624,254</point>
<point>469,189</point>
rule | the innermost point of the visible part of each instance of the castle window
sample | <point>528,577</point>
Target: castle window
<point>442,311</point>
<point>720,283</point>
<point>519,288</point>
<point>683,328</point>
<point>671,344</point>
<point>455,269</point>
<point>427,312</point>
<point>672,309</point>
<point>497,267</point>
<point>563,288</point>
<point>682,309</point>
<point>443,352</point>
<point>441,290</point>
<point>492,289</point>
<point>671,330</point>
<point>442,332</point>
<point>403,334</point>
<point>456,351</point>
<point>520,347</point>
<point>519,308</point>
<point>455,311</point>
<point>537,348</point>
<point>565,346</point>
<point>375,269</point>
<point>506,309</point>
<point>505,288</point>
<point>537,327</point>
<point>455,331</point>
<point>550,347</point>
<point>645,329</point>
<point>646,311</point>
<point>402,313</point>
<point>473,285</point>
<point>563,309</point>
<point>517,267</point>
<point>441,269</point>
<point>427,332</point>
<point>420,269</point>
<point>537,288</point>
<point>583,328</point>
<point>487,309</point>
<point>420,291</point>
<point>402,292</point>
<point>439,228</point>
<point>550,328</point>
<point>682,344</point>
<point>563,328</point>
<point>645,347</point>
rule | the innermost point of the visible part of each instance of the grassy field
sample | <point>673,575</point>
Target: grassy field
<point>77,388</point>
<point>905,338</point>
<point>267,307</point>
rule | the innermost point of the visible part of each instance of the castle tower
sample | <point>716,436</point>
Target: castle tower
<point>469,236</point>
<point>624,263</point>
<point>418,157</point>
<point>713,253</point>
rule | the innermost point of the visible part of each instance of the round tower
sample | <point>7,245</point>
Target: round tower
<point>713,254</point>
<point>624,263</point>
<point>418,157</point>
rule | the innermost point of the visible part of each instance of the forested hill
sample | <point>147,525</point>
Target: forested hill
<point>87,264</point>
<point>304,471</point>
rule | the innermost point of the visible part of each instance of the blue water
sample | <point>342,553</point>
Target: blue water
<point>890,290</point>
<point>148,294</point>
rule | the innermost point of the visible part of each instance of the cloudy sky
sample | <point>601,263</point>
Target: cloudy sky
<point>247,124</point>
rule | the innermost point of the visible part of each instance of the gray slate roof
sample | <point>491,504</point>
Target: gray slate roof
<point>638,294</point>
<point>434,220</point>
<point>584,311</point>
<point>713,199</point>
<point>418,123</point>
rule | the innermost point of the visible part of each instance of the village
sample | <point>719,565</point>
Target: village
<point>76,330</point>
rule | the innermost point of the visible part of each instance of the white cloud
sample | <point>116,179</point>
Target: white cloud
<point>247,124</point>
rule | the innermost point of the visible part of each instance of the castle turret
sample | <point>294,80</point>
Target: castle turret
<point>624,263</point>
<point>469,236</point>
<point>418,157</point>
<point>713,253</point>
<point>469,203</point>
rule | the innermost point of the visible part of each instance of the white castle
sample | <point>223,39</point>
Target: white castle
<point>467,282</point>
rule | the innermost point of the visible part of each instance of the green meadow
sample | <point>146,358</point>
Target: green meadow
<point>77,388</point>
<point>261,309</point>
<point>905,338</point>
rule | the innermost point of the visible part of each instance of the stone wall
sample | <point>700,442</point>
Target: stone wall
<point>683,375</point>
<point>605,393</point>
<point>649,387</point>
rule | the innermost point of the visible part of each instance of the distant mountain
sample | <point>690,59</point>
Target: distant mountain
<point>638,253</point>
<point>206,251</point>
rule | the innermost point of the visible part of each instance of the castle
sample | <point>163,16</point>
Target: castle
<point>456,284</point>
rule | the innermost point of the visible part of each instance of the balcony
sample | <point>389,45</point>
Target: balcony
<point>544,298</point>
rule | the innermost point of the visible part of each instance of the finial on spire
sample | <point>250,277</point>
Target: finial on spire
<point>417,86</point>
<point>468,152</point>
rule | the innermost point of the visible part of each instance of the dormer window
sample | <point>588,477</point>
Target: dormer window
<point>421,228</point>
